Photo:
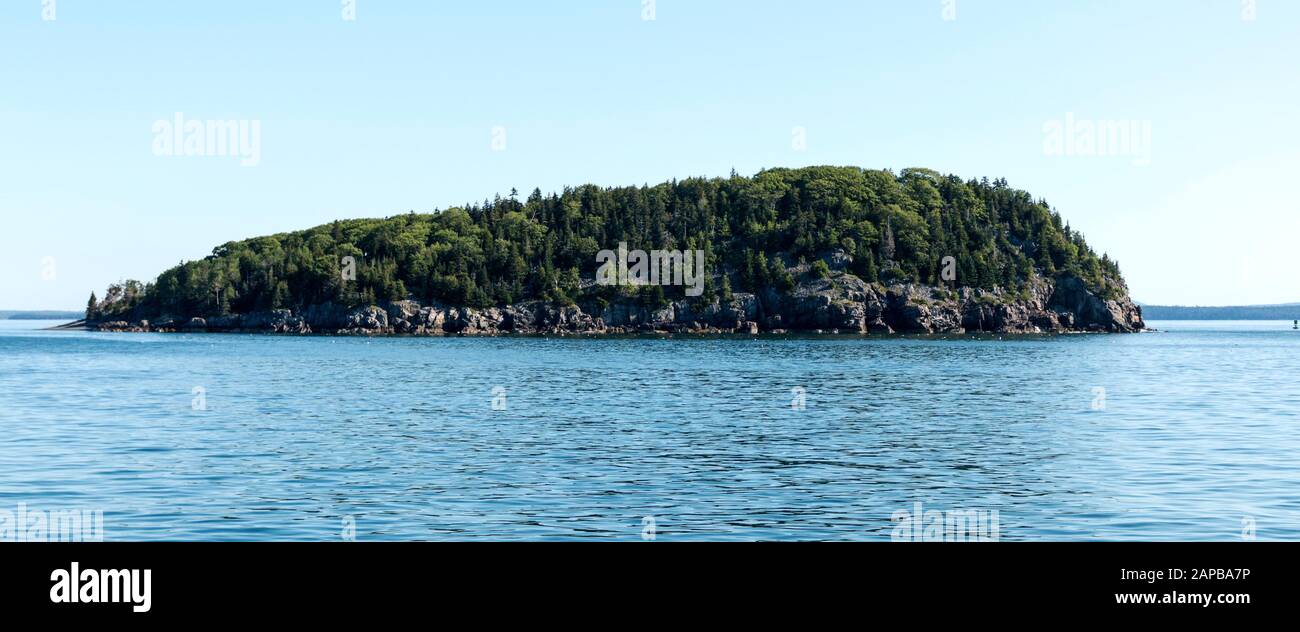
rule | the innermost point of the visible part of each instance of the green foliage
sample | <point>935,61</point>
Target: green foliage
<point>896,228</point>
<point>778,276</point>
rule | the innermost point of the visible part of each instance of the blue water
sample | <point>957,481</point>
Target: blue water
<point>396,438</point>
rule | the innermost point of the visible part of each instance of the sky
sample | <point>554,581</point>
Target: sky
<point>369,108</point>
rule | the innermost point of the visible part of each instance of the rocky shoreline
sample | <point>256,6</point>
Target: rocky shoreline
<point>840,304</point>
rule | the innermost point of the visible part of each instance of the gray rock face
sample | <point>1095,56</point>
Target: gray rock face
<point>367,319</point>
<point>841,303</point>
<point>230,322</point>
<point>1092,312</point>
<point>121,326</point>
<point>326,316</point>
<point>280,321</point>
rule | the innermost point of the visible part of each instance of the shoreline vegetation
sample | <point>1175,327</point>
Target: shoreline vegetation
<point>820,250</point>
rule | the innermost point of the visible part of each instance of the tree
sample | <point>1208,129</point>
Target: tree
<point>779,276</point>
<point>887,244</point>
<point>92,307</point>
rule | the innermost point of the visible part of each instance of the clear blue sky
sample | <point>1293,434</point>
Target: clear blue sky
<point>394,111</point>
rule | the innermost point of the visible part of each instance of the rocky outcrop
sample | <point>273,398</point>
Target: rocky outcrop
<point>1092,312</point>
<point>840,303</point>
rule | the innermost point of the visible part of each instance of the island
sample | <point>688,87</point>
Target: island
<point>825,249</point>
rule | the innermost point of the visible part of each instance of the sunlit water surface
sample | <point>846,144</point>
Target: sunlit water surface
<point>1195,437</point>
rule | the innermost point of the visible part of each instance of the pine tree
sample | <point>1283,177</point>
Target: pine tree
<point>761,278</point>
<point>779,276</point>
<point>869,271</point>
<point>92,307</point>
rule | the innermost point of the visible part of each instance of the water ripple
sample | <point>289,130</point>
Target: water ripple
<point>298,436</point>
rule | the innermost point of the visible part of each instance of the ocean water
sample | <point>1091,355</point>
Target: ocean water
<point>1196,435</point>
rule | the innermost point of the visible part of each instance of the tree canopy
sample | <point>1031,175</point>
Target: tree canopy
<point>896,228</point>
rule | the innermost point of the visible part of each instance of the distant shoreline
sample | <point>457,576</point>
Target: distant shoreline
<point>35,314</point>
<point>1245,312</point>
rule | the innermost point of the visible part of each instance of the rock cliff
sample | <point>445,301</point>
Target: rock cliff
<point>840,303</point>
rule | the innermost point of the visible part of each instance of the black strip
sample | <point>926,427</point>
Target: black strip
<point>322,581</point>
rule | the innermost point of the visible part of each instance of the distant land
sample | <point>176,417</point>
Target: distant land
<point>822,249</point>
<point>1285,311</point>
<point>39,315</point>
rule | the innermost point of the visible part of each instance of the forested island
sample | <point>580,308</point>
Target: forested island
<point>830,249</point>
